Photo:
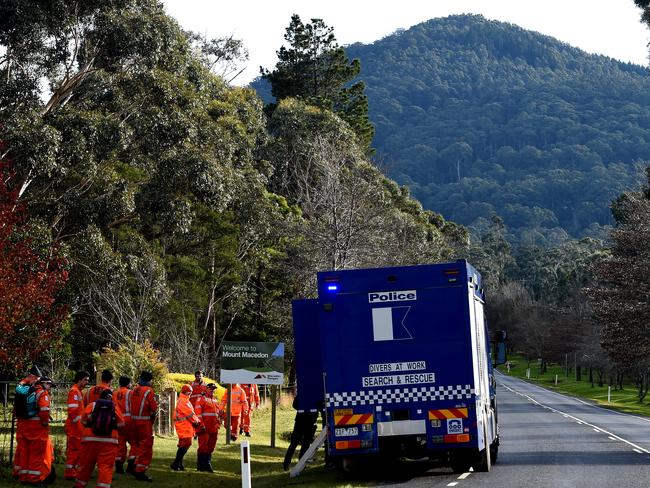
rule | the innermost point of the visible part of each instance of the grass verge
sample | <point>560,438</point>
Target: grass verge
<point>266,461</point>
<point>625,400</point>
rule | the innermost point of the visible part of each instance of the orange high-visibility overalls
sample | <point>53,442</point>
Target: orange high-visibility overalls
<point>123,404</point>
<point>253,396</point>
<point>198,390</point>
<point>98,449</point>
<point>184,420</point>
<point>91,395</point>
<point>239,405</point>
<point>210,414</point>
<point>36,451</point>
<point>144,407</point>
<point>74,432</point>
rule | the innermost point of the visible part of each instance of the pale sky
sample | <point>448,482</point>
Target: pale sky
<point>609,27</point>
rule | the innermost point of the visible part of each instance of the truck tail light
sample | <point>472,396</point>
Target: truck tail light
<point>452,438</point>
<point>340,445</point>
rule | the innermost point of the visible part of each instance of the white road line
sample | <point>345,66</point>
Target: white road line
<point>596,428</point>
<point>611,438</point>
<point>645,419</point>
<point>453,483</point>
<point>463,476</point>
<point>636,450</point>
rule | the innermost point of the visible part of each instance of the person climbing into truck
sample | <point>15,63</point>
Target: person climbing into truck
<point>304,428</point>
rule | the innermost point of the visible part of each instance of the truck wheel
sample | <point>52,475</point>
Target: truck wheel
<point>348,465</point>
<point>460,462</point>
<point>484,459</point>
<point>494,451</point>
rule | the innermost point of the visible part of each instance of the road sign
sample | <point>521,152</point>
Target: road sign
<point>252,362</point>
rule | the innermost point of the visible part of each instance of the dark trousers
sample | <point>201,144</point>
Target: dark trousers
<point>304,428</point>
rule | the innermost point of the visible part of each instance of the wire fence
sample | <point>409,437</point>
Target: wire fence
<point>58,414</point>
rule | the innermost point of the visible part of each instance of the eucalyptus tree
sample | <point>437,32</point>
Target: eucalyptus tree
<point>354,215</point>
<point>621,291</point>
<point>135,156</point>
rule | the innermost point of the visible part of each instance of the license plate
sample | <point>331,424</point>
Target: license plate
<point>346,431</point>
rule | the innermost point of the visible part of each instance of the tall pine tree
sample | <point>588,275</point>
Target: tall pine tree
<point>315,69</point>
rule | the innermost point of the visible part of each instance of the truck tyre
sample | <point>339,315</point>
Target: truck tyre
<point>460,461</point>
<point>484,459</point>
<point>348,464</point>
<point>494,450</point>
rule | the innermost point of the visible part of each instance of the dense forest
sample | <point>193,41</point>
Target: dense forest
<point>538,148</point>
<point>479,117</point>
<point>145,201</point>
<point>149,210</point>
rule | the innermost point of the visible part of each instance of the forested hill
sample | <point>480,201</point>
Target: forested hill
<point>479,116</point>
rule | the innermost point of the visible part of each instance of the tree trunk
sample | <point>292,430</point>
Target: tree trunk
<point>578,373</point>
<point>643,386</point>
<point>591,376</point>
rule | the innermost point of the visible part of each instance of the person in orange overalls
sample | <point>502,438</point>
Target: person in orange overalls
<point>207,409</point>
<point>73,425</point>
<point>185,421</point>
<point>33,433</point>
<point>143,414</point>
<point>33,375</point>
<point>92,394</point>
<point>253,396</point>
<point>198,387</point>
<point>99,448</point>
<point>239,406</point>
<point>122,400</point>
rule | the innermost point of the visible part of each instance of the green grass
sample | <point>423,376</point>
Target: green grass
<point>266,462</point>
<point>625,400</point>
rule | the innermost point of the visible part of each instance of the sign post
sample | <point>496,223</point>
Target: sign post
<point>274,401</point>
<point>228,410</point>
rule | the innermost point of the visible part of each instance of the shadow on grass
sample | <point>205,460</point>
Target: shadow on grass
<point>372,472</point>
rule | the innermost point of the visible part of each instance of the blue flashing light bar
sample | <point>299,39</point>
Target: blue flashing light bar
<point>332,287</point>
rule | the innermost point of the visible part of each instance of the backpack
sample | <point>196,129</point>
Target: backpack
<point>102,419</point>
<point>25,402</point>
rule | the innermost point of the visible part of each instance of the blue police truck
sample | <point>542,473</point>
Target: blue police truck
<point>399,359</point>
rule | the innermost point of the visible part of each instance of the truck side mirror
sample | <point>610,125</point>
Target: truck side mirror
<point>499,347</point>
<point>500,356</point>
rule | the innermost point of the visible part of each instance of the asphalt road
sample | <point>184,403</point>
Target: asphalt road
<point>551,440</point>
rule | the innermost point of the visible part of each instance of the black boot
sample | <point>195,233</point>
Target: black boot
<point>130,466</point>
<point>208,463</point>
<point>119,467</point>
<point>143,477</point>
<point>200,463</point>
<point>178,462</point>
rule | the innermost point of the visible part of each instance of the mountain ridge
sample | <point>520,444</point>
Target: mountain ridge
<point>480,117</point>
